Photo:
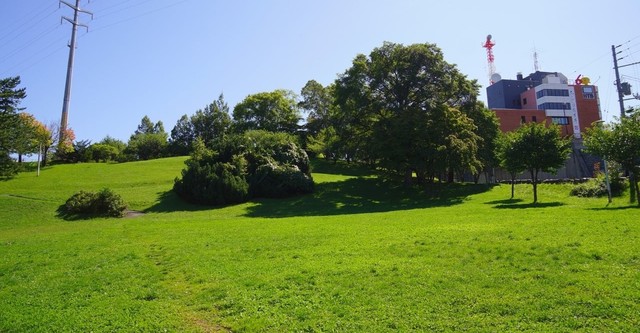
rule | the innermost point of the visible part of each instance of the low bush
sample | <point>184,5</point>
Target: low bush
<point>104,203</point>
<point>597,187</point>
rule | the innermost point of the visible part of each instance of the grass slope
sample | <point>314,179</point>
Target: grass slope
<point>358,255</point>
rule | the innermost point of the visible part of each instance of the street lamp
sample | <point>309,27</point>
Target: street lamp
<point>604,162</point>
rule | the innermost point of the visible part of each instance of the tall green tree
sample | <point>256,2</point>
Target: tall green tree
<point>212,123</point>
<point>488,129</point>
<point>275,111</point>
<point>149,141</point>
<point>10,98</point>
<point>534,147</point>
<point>509,157</point>
<point>399,108</point>
<point>182,137</point>
<point>317,103</point>
<point>619,142</point>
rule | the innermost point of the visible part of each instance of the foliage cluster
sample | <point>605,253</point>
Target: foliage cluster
<point>533,147</point>
<point>103,203</point>
<point>597,187</point>
<point>256,164</point>
<point>619,142</point>
<point>405,110</point>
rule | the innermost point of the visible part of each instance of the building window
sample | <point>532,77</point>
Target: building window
<point>524,101</point>
<point>588,93</point>
<point>554,106</point>
<point>523,119</point>
<point>552,92</point>
<point>534,119</point>
<point>560,120</point>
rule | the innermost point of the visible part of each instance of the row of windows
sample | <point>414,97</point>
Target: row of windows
<point>552,92</point>
<point>554,106</point>
<point>560,120</point>
<point>555,120</point>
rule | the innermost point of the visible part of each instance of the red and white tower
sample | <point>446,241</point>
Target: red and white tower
<point>488,44</point>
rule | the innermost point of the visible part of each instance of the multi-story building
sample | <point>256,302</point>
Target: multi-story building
<point>551,98</point>
<point>548,97</point>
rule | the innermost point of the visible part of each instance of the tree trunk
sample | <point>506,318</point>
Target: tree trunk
<point>534,182</point>
<point>44,157</point>
<point>408,174</point>
<point>20,158</point>
<point>633,187</point>
<point>450,177</point>
<point>513,185</point>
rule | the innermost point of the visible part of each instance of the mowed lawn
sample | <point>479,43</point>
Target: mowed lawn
<point>359,255</point>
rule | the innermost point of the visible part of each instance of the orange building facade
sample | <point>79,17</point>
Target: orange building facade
<point>546,97</point>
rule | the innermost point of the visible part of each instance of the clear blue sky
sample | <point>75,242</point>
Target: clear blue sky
<point>166,58</point>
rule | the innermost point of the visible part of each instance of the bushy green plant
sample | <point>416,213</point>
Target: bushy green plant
<point>274,181</point>
<point>82,202</point>
<point>214,183</point>
<point>109,203</point>
<point>253,164</point>
<point>597,187</point>
<point>590,189</point>
<point>104,203</point>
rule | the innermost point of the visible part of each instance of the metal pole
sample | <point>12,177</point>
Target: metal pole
<point>67,86</point>
<point>72,51</point>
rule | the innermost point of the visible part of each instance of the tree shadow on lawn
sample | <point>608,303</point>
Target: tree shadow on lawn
<point>631,206</point>
<point>364,195</point>
<point>517,205</point>
<point>169,202</point>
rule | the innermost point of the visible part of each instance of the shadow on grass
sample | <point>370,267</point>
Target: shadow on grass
<point>616,208</point>
<point>352,196</point>
<point>517,205</point>
<point>169,202</point>
<point>339,168</point>
<point>504,202</point>
<point>364,195</point>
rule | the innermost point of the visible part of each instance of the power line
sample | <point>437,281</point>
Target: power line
<point>27,22</point>
<point>29,26</point>
<point>29,43</point>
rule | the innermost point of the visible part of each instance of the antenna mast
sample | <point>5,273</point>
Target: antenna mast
<point>488,44</point>
<point>536,66</point>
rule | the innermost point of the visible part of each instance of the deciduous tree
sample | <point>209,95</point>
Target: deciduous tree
<point>400,109</point>
<point>275,111</point>
<point>619,142</point>
<point>535,147</point>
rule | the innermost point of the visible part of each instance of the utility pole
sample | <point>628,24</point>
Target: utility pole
<point>72,50</point>
<point>618,83</point>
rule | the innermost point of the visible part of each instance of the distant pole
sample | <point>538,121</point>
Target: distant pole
<point>618,83</point>
<point>72,51</point>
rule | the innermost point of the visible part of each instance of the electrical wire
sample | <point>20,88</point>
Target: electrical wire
<point>29,43</point>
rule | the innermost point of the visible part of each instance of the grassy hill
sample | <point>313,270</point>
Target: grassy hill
<point>360,254</point>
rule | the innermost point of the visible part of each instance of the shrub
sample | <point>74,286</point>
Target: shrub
<point>212,184</point>
<point>109,203</point>
<point>81,203</point>
<point>240,167</point>
<point>590,189</point>
<point>104,203</point>
<point>597,187</point>
<point>275,181</point>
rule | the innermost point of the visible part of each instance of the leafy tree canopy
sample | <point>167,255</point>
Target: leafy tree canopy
<point>275,111</point>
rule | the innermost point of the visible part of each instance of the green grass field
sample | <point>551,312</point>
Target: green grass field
<point>359,255</point>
